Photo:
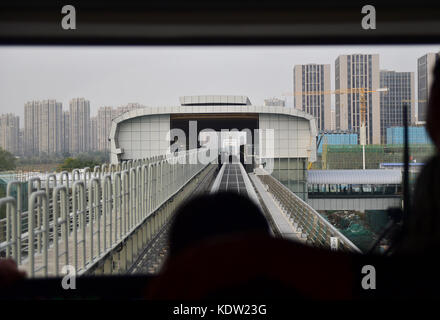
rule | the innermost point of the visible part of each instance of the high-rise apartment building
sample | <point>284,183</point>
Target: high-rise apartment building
<point>50,127</point>
<point>43,127</point>
<point>10,133</point>
<point>105,116</point>
<point>358,71</point>
<point>66,131</point>
<point>79,125</point>
<point>308,80</point>
<point>400,91</point>
<point>425,66</point>
<point>93,134</point>
<point>21,142</point>
<point>31,128</point>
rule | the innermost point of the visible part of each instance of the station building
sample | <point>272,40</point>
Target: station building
<point>279,138</point>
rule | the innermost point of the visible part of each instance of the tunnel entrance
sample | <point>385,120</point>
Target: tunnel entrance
<point>218,122</point>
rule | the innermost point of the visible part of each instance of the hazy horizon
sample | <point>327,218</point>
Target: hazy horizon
<point>157,76</point>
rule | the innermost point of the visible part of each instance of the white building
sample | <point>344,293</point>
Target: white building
<point>283,138</point>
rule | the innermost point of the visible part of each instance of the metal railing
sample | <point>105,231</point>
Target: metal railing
<point>78,223</point>
<point>318,230</point>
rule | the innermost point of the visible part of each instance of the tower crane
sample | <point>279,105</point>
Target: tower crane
<point>362,107</point>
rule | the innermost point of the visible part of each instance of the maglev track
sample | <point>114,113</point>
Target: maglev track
<point>231,177</point>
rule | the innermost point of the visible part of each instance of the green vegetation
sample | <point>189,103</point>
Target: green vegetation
<point>7,160</point>
<point>350,156</point>
<point>83,160</point>
<point>42,159</point>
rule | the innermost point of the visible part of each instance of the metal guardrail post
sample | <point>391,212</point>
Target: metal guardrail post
<point>31,182</point>
<point>133,199</point>
<point>61,219</point>
<point>125,200</point>
<point>154,187</point>
<point>87,174</point>
<point>97,171</point>
<point>140,196</point>
<point>50,177</point>
<point>11,220</point>
<point>160,181</point>
<point>144,183</point>
<point>105,169</point>
<point>117,205</point>
<point>79,208</point>
<point>107,198</point>
<point>44,230</point>
<point>16,218</point>
<point>94,215</point>
<point>76,175</point>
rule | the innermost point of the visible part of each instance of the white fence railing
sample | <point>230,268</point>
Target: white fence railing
<point>77,217</point>
<point>319,231</point>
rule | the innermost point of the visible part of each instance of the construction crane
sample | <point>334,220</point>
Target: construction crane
<point>363,109</point>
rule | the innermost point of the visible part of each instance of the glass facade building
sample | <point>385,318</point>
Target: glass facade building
<point>400,91</point>
<point>416,135</point>
<point>338,139</point>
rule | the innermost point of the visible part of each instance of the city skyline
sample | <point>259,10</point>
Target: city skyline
<point>79,125</point>
<point>157,76</point>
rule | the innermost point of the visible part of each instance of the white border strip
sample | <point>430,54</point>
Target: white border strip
<point>217,181</point>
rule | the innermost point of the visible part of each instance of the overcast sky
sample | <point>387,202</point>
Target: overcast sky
<point>157,76</point>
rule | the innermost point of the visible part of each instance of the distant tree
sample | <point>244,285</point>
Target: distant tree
<point>78,163</point>
<point>7,160</point>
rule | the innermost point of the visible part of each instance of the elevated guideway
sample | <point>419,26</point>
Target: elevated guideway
<point>104,221</point>
<point>288,215</point>
<point>115,221</point>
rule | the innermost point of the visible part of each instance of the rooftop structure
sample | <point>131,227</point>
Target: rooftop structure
<point>214,100</point>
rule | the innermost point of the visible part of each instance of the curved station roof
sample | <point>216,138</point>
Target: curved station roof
<point>294,130</point>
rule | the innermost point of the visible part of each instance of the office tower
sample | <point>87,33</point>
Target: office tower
<point>400,91</point>
<point>274,102</point>
<point>358,71</point>
<point>79,125</point>
<point>93,134</point>
<point>425,66</point>
<point>313,78</point>
<point>9,133</point>
<point>65,131</point>
<point>105,116</point>
<point>50,127</point>
<point>31,128</point>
